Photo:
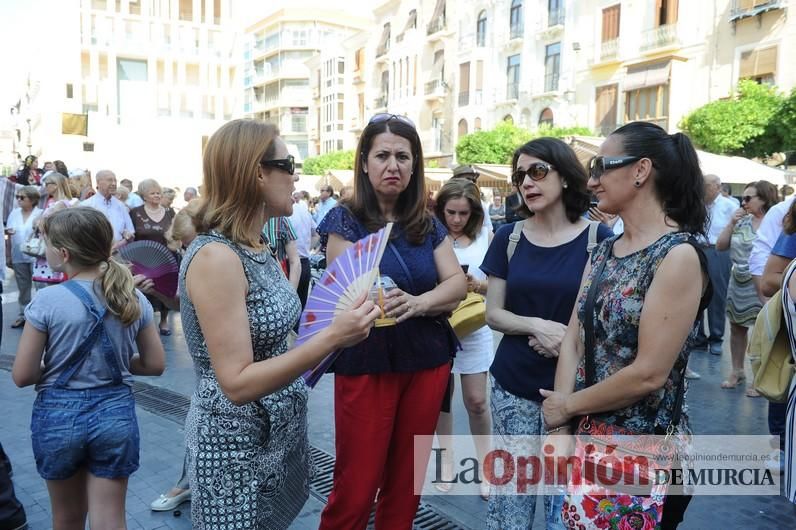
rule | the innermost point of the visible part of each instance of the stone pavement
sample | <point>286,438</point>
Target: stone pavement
<point>712,411</point>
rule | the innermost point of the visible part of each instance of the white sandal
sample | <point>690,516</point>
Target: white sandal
<point>165,504</point>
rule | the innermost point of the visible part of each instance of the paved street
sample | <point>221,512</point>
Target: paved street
<point>712,410</point>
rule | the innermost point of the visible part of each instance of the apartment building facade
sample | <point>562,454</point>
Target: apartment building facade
<point>135,86</point>
<point>458,66</point>
<point>658,60</point>
<point>276,78</point>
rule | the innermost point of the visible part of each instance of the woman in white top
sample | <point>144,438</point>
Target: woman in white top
<point>460,210</point>
<point>21,223</point>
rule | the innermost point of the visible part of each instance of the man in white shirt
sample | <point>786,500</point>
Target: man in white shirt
<point>720,210</point>
<point>304,226</point>
<point>113,208</point>
<point>326,203</point>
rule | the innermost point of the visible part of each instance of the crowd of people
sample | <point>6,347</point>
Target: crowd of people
<point>626,255</point>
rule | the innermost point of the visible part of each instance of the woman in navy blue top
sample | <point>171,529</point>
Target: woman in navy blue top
<point>389,388</point>
<point>530,300</point>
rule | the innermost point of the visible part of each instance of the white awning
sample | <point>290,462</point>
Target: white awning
<point>646,76</point>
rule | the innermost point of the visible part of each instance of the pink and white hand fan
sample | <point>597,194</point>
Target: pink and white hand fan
<point>345,280</point>
<point>155,261</point>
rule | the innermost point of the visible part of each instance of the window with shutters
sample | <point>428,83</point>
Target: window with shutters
<point>462,127</point>
<point>665,12</point>
<point>605,103</point>
<point>464,84</point>
<point>480,30</point>
<point>759,65</point>
<point>648,104</point>
<point>552,66</point>
<point>611,23</point>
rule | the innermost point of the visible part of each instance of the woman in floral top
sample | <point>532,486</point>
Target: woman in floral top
<point>647,297</point>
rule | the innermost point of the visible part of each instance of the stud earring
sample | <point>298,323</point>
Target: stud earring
<point>637,183</point>
<point>565,185</point>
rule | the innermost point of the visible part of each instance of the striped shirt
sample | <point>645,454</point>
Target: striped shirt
<point>277,232</point>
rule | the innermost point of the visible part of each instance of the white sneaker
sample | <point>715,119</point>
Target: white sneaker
<point>776,461</point>
<point>164,503</point>
<point>690,374</point>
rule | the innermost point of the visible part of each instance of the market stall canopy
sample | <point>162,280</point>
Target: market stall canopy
<point>497,176</point>
<point>309,183</point>
<point>730,169</point>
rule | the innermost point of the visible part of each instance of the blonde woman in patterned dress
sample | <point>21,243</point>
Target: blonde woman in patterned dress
<point>743,304</point>
<point>246,430</point>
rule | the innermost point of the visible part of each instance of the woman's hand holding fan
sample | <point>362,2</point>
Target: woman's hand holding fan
<point>353,325</point>
<point>346,281</point>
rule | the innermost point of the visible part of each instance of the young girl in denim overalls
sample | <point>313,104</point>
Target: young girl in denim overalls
<point>79,348</point>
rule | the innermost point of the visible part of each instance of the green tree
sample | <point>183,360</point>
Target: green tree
<point>781,130</point>
<point>319,165</point>
<point>498,145</point>
<point>737,126</point>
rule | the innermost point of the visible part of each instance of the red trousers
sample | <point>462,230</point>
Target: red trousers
<point>376,419</point>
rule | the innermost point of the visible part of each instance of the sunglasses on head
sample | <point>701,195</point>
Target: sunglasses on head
<point>600,164</point>
<point>386,116</point>
<point>285,164</point>
<point>536,171</point>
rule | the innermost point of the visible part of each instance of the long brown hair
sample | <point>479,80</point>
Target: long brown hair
<point>456,189</point>
<point>231,200</point>
<point>88,236</point>
<point>410,210</point>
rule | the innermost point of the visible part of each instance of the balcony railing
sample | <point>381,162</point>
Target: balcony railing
<point>435,26</point>
<point>609,50</point>
<point>551,81</point>
<point>516,31</point>
<point>512,90</point>
<point>434,87</point>
<point>555,17</point>
<point>660,37</point>
<point>750,8</point>
<point>464,99</point>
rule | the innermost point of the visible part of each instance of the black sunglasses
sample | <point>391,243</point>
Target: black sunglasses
<point>20,197</point>
<point>748,198</point>
<point>285,164</point>
<point>600,164</point>
<point>386,116</point>
<point>536,171</point>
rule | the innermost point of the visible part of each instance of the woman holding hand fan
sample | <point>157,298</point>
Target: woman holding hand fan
<point>389,388</point>
<point>246,430</point>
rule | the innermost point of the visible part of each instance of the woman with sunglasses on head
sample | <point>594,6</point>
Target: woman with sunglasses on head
<point>530,298</point>
<point>390,388</point>
<point>646,287</point>
<point>743,303</point>
<point>246,429</point>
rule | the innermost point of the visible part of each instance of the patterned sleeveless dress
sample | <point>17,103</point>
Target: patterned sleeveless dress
<point>617,306</point>
<point>248,464</point>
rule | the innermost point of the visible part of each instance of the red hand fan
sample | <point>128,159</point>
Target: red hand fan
<point>155,261</point>
<point>349,276</point>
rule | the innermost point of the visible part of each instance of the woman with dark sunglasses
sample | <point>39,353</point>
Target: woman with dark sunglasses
<point>743,303</point>
<point>389,389</point>
<point>530,298</point>
<point>246,429</point>
<point>20,227</point>
<point>645,288</point>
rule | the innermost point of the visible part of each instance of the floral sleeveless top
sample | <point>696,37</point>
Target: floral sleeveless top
<point>617,314</point>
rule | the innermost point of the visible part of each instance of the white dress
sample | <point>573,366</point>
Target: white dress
<point>477,348</point>
<point>789,318</point>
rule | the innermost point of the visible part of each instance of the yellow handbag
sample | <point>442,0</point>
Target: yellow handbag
<point>469,316</point>
<point>769,350</point>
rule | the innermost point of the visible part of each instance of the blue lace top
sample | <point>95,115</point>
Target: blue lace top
<point>417,344</point>
<point>617,314</point>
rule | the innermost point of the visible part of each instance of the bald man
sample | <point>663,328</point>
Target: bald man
<point>720,210</point>
<point>114,209</point>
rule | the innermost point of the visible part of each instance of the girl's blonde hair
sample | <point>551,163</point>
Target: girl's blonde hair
<point>61,183</point>
<point>232,202</point>
<point>88,236</point>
